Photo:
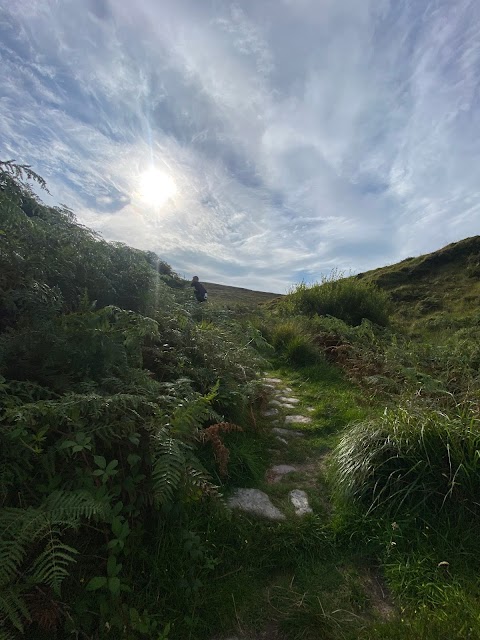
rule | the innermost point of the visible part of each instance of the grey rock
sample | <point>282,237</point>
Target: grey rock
<point>272,380</point>
<point>287,433</point>
<point>299,499</point>
<point>275,403</point>
<point>289,400</point>
<point>255,502</point>
<point>282,440</point>
<point>297,420</point>
<point>276,473</point>
<point>270,412</point>
<point>282,469</point>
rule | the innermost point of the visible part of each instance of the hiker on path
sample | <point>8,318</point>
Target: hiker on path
<point>200,291</point>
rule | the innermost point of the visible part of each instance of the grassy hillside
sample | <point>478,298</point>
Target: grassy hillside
<point>436,290</point>
<point>226,295</point>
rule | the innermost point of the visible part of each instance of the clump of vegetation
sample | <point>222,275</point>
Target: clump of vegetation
<point>349,299</point>
<point>117,404</point>
<point>412,460</point>
<point>293,342</point>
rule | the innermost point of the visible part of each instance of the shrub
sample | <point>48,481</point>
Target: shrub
<point>300,351</point>
<point>284,333</point>
<point>412,461</point>
<point>349,299</point>
<point>293,340</point>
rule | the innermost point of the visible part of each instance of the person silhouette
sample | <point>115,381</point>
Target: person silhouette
<point>200,291</point>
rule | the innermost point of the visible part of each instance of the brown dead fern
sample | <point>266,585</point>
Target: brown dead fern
<point>212,434</point>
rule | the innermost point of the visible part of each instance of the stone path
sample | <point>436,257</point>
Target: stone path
<point>283,414</point>
<point>255,501</point>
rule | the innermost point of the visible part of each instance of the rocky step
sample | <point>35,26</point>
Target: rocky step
<point>287,433</point>
<point>276,473</point>
<point>297,419</point>
<point>255,502</point>
<point>299,499</point>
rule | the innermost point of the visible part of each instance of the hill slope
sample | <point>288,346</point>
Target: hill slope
<point>227,295</point>
<point>438,290</point>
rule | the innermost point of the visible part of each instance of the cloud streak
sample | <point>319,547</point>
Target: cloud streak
<point>301,135</point>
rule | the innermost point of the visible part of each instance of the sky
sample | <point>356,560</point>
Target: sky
<point>256,143</point>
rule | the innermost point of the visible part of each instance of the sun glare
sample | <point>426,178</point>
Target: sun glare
<point>156,187</point>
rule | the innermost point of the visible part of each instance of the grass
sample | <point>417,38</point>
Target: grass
<point>349,299</point>
<point>310,578</point>
<point>228,296</point>
<point>292,579</point>
<point>412,459</point>
<point>442,287</point>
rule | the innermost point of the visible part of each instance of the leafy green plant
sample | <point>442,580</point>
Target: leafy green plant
<point>349,299</point>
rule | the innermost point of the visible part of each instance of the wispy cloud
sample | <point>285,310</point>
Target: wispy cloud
<point>301,135</point>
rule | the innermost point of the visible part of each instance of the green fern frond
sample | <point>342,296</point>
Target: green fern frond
<point>51,566</point>
<point>190,415</point>
<point>12,609</point>
<point>70,506</point>
<point>109,417</point>
<point>20,528</point>
<point>168,469</point>
<point>200,479</point>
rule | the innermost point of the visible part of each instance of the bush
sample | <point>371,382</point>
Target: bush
<point>301,352</point>
<point>349,299</point>
<point>292,339</point>
<point>412,461</point>
<point>284,333</point>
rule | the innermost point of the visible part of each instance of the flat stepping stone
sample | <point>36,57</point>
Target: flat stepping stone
<point>287,433</point>
<point>276,473</point>
<point>289,400</point>
<point>273,380</point>
<point>281,404</point>
<point>287,390</point>
<point>297,419</point>
<point>276,403</point>
<point>299,499</point>
<point>255,502</point>
<point>270,412</point>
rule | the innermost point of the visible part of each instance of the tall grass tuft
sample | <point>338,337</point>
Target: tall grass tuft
<point>349,299</point>
<point>295,344</point>
<point>412,461</point>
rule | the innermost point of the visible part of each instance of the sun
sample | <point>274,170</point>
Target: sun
<point>156,187</point>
